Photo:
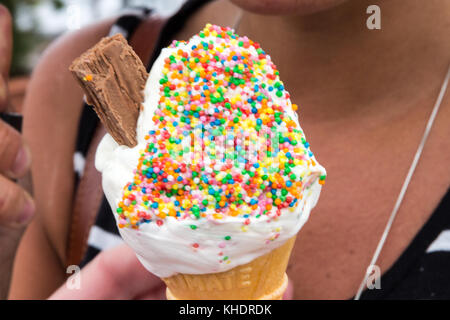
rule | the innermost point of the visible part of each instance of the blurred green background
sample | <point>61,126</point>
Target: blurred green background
<point>37,22</point>
<point>25,39</point>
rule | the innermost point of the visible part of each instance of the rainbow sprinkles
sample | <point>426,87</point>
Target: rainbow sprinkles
<point>225,140</point>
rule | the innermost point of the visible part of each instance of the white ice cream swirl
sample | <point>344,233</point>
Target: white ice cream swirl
<point>195,211</point>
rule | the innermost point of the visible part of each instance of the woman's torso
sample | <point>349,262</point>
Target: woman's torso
<point>365,176</point>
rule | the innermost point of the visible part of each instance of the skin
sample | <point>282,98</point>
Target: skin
<point>107,277</point>
<point>16,206</point>
<point>286,7</point>
<point>364,96</point>
<point>56,106</point>
<point>374,93</point>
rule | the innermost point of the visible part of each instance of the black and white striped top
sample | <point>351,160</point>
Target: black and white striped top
<point>421,272</point>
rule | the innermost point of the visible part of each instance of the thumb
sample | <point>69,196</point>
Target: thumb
<point>289,293</point>
<point>6,41</point>
<point>114,274</point>
<point>5,53</point>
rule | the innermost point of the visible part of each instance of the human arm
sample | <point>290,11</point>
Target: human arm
<point>16,205</point>
<point>114,274</point>
<point>52,109</point>
<point>117,274</point>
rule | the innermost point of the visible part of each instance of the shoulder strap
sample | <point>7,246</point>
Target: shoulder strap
<point>89,194</point>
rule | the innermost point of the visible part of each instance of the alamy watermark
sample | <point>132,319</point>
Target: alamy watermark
<point>373,22</point>
<point>207,146</point>
<point>74,281</point>
<point>373,280</point>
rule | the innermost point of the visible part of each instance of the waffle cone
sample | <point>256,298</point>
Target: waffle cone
<point>261,279</point>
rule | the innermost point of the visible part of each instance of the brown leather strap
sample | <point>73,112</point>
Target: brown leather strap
<point>89,193</point>
<point>88,197</point>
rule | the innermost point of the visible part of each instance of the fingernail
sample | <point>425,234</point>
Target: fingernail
<point>22,162</point>
<point>27,211</point>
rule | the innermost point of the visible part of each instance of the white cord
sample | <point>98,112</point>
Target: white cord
<point>405,184</point>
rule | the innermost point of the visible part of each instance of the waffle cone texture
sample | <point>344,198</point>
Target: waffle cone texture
<point>261,279</point>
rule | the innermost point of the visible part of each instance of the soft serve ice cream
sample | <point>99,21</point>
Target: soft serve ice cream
<point>222,172</point>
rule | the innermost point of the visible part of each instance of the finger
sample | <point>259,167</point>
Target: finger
<point>16,206</point>
<point>157,293</point>
<point>15,158</point>
<point>113,274</point>
<point>5,41</point>
<point>289,293</point>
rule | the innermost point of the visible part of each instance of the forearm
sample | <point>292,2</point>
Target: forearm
<point>38,270</point>
<point>51,113</point>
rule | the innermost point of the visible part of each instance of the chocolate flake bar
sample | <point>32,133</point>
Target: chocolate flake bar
<point>113,79</point>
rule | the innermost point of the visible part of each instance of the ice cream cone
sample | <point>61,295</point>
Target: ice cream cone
<point>208,168</point>
<point>261,279</point>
